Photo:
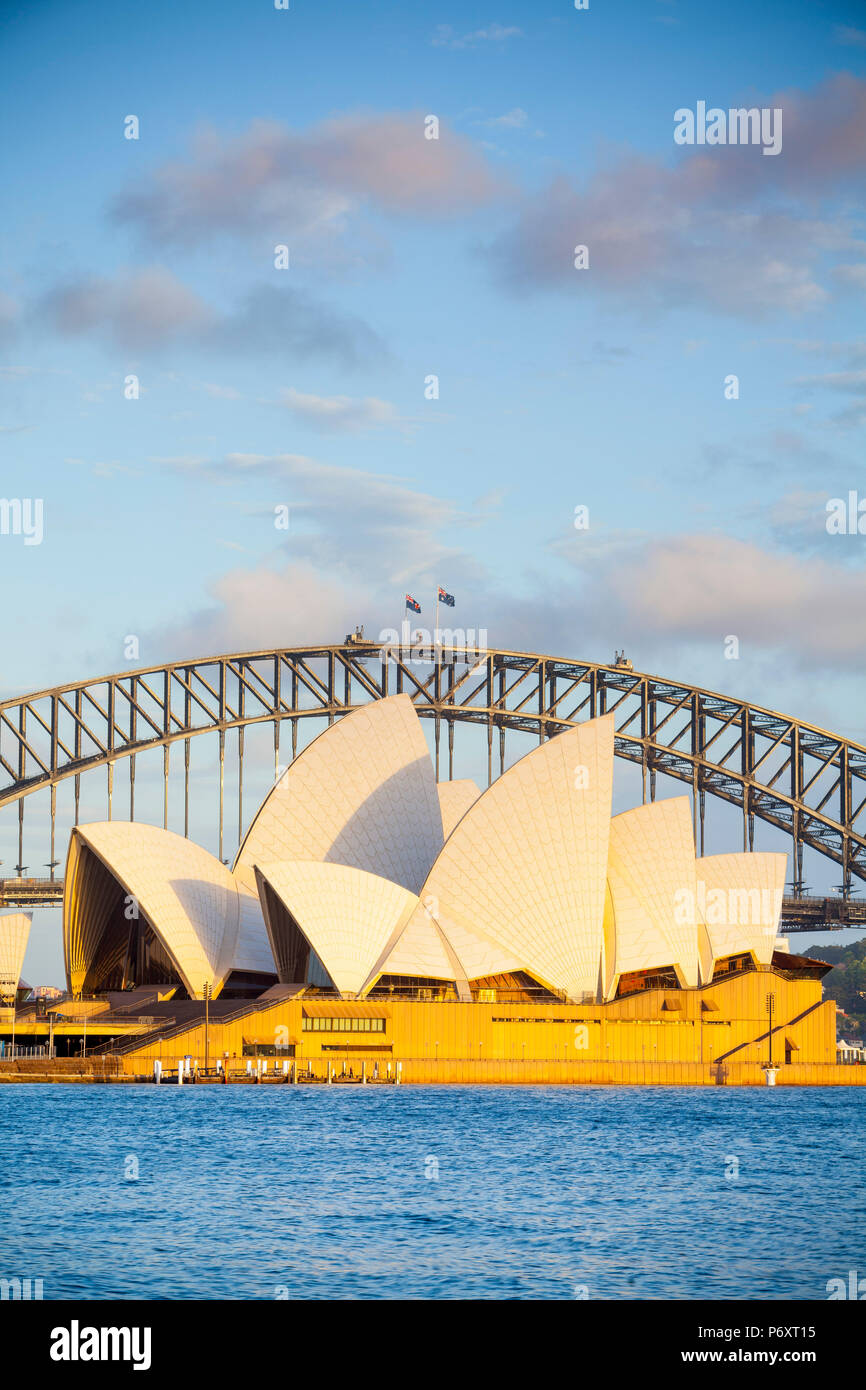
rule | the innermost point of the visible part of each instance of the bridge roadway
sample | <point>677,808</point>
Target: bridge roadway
<point>802,913</point>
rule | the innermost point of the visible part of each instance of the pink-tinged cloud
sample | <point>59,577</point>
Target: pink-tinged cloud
<point>725,227</point>
<point>137,309</point>
<point>149,309</point>
<point>359,539</point>
<point>697,589</point>
<point>283,183</point>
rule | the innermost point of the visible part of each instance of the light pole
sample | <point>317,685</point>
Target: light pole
<point>771,999</point>
<point>207,1022</point>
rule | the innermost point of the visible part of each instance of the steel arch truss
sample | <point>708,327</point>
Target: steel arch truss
<point>798,778</point>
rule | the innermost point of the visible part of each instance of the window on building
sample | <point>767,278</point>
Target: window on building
<point>319,1023</point>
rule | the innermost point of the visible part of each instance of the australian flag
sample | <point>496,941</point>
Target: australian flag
<point>447,599</point>
<point>413,604</point>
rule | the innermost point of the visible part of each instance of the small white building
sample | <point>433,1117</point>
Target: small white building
<point>848,1052</point>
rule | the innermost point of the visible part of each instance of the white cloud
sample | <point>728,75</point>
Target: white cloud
<point>848,35</point>
<point>445,37</point>
<point>512,120</point>
<point>339,414</point>
<point>851,275</point>
<point>222,393</point>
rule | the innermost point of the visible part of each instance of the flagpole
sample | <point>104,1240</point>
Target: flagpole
<point>436,628</point>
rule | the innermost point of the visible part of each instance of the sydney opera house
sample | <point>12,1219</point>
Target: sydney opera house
<point>360,875</point>
<point>368,899</point>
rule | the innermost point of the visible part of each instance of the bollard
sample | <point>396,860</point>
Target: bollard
<point>329,1074</point>
<point>294,1073</point>
<point>363,1073</point>
<point>157,1070</point>
<point>180,1073</point>
<point>249,1068</point>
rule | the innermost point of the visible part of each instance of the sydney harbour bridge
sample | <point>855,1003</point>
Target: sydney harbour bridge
<point>804,781</point>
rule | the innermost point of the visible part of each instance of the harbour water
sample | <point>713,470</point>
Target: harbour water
<point>432,1192</point>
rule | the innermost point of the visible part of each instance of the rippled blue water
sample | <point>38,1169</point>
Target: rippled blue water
<point>431,1192</point>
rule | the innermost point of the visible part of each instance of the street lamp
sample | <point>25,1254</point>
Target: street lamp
<point>207,1022</point>
<point>771,999</point>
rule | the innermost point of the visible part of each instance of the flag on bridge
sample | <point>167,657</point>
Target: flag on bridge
<point>447,599</point>
<point>413,604</point>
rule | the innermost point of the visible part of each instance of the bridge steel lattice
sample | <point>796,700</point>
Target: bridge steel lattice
<point>801,779</point>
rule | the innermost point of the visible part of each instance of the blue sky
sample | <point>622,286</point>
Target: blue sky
<point>260,387</point>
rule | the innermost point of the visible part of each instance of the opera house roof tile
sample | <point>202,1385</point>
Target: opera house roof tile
<point>419,949</point>
<point>362,794</point>
<point>14,934</point>
<point>186,895</point>
<point>344,914</point>
<point>455,798</point>
<point>651,873</point>
<point>527,862</point>
<point>739,900</point>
